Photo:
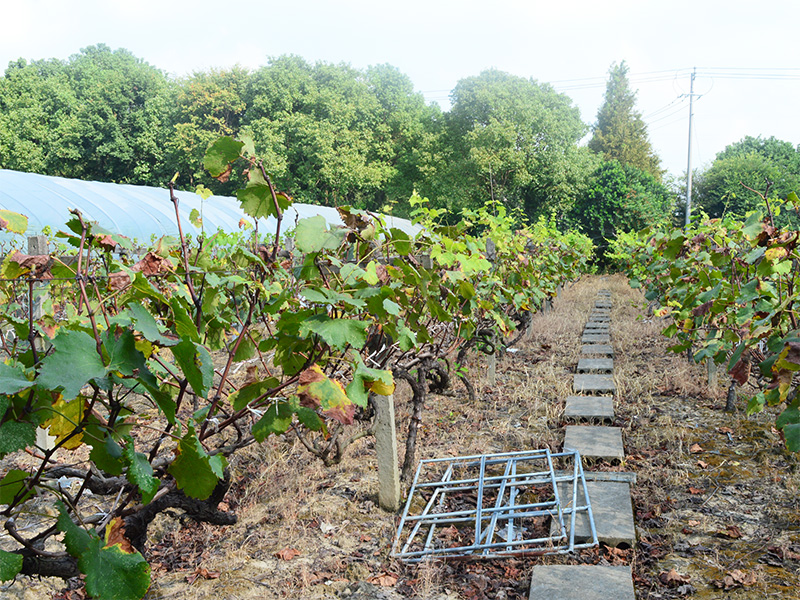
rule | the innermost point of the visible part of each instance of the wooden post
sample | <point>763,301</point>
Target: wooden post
<point>386,448</point>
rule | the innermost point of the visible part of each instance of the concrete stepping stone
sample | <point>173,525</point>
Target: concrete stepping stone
<point>593,382</point>
<point>587,582</point>
<point>595,338</point>
<point>599,318</point>
<point>612,511</point>
<point>587,365</point>
<point>594,441</point>
<point>600,326</point>
<point>602,349</point>
<point>589,407</point>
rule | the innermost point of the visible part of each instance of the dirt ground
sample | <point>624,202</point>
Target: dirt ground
<point>715,503</point>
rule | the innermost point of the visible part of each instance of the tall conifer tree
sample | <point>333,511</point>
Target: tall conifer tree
<point>620,133</point>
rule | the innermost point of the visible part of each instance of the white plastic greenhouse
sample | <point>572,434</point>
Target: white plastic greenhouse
<point>136,211</point>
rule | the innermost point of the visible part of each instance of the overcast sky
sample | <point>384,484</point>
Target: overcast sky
<point>747,53</point>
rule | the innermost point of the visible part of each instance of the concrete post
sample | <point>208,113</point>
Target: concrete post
<point>713,375</point>
<point>38,245</point>
<point>386,448</point>
<point>491,369</point>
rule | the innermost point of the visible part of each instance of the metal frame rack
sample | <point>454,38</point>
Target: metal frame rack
<point>493,505</point>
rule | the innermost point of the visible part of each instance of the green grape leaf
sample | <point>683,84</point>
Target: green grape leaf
<point>106,454</point>
<point>276,420</point>
<point>310,418</point>
<point>73,363</point>
<point>312,235</point>
<point>123,356</point>
<point>245,350</point>
<point>12,380</point>
<point>115,571</point>
<point>245,395</point>
<point>76,539</point>
<point>184,325</point>
<point>191,469</point>
<point>12,484</point>
<point>393,308</point>
<point>402,243</point>
<point>220,154</point>
<point>10,565</point>
<point>338,333</point>
<point>256,200</point>
<point>196,364</point>
<point>195,218</point>
<point>791,433</point>
<point>366,379</point>
<point>140,473</point>
<point>16,435</point>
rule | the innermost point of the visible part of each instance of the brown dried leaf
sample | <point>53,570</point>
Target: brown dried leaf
<point>695,448</point>
<point>38,264</point>
<point>733,532</point>
<point>699,311</point>
<point>106,242</point>
<point>384,579</point>
<point>225,175</point>
<point>696,491</point>
<point>724,430</point>
<point>153,264</point>
<point>287,553</point>
<point>202,572</point>
<point>383,274</point>
<point>702,464</point>
<point>115,534</point>
<point>741,371</point>
<point>673,578</point>
<point>118,281</point>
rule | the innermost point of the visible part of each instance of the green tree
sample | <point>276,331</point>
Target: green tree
<point>511,139</point>
<point>620,133</point>
<point>98,115</point>
<point>620,198</point>
<point>208,104</point>
<point>336,135</point>
<point>742,171</point>
<point>35,99</point>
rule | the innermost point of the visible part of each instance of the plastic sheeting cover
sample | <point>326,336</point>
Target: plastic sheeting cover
<point>136,211</point>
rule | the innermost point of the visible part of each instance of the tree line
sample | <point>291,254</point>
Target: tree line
<point>332,134</point>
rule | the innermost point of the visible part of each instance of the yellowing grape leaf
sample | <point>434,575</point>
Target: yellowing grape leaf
<point>67,416</point>
<point>317,390</point>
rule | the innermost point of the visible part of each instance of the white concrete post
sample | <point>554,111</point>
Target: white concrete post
<point>713,376</point>
<point>386,448</point>
<point>491,368</point>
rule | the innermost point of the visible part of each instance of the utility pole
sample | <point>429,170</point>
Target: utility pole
<point>689,167</point>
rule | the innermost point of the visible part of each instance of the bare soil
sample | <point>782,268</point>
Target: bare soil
<point>715,503</point>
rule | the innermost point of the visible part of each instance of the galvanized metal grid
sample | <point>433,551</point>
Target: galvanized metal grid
<point>493,505</point>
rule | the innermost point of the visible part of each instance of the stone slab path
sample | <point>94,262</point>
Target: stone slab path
<point>609,492</point>
<point>589,407</point>
<point>606,349</point>
<point>593,382</point>
<point>587,582</point>
<point>595,338</point>
<point>596,442</point>
<point>587,365</point>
